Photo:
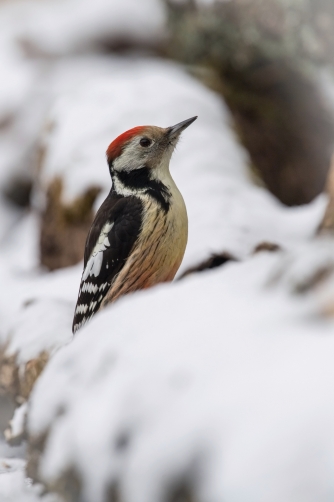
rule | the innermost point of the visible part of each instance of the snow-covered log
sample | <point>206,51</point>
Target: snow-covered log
<point>40,329</point>
<point>217,386</point>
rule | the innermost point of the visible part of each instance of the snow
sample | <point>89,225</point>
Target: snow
<point>301,267</point>
<point>15,432</point>
<point>17,79</point>
<point>28,85</point>
<point>15,488</point>
<point>221,378</point>
<point>59,27</point>
<point>7,451</point>
<point>46,292</point>
<point>20,119</point>
<point>97,21</point>
<point>18,420</point>
<point>43,325</point>
<point>222,381</point>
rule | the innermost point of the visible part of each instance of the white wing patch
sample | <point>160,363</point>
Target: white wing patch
<point>81,309</point>
<point>94,263</point>
<point>89,287</point>
<point>93,268</point>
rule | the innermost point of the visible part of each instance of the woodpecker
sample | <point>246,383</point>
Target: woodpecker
<point>139,235</point>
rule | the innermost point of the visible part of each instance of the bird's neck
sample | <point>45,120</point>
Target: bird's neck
<point>140,183</point>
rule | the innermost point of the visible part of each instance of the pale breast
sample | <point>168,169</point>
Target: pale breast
<point>158,253</point>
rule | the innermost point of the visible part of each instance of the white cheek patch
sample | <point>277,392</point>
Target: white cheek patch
<point>94,263</point>
<point>131,152</point>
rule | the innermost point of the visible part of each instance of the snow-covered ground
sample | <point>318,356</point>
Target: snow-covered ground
<point>15,487</point>
<point>221,383</point>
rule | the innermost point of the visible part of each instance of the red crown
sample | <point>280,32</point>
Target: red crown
<point>115,148</point>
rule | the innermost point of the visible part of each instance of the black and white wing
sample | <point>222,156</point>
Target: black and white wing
<point>109,243</point>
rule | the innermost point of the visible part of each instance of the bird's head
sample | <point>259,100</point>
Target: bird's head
<point>143,153</point>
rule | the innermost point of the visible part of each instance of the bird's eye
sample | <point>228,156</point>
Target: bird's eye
<point>145,142</point>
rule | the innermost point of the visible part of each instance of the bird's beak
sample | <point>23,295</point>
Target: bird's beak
<point>181,126</point>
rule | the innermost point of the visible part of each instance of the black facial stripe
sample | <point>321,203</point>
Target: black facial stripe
<point>137,178</point>
<point>140,179</point>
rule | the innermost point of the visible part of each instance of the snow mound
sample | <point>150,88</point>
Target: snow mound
<point>60,27</point>
<point>14,487</point>
<point>38,331</point>
<point>25,282</point>
<point>220,384</point>
<point>42,326</point>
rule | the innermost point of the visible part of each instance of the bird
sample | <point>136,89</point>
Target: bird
<point>139,235</point>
